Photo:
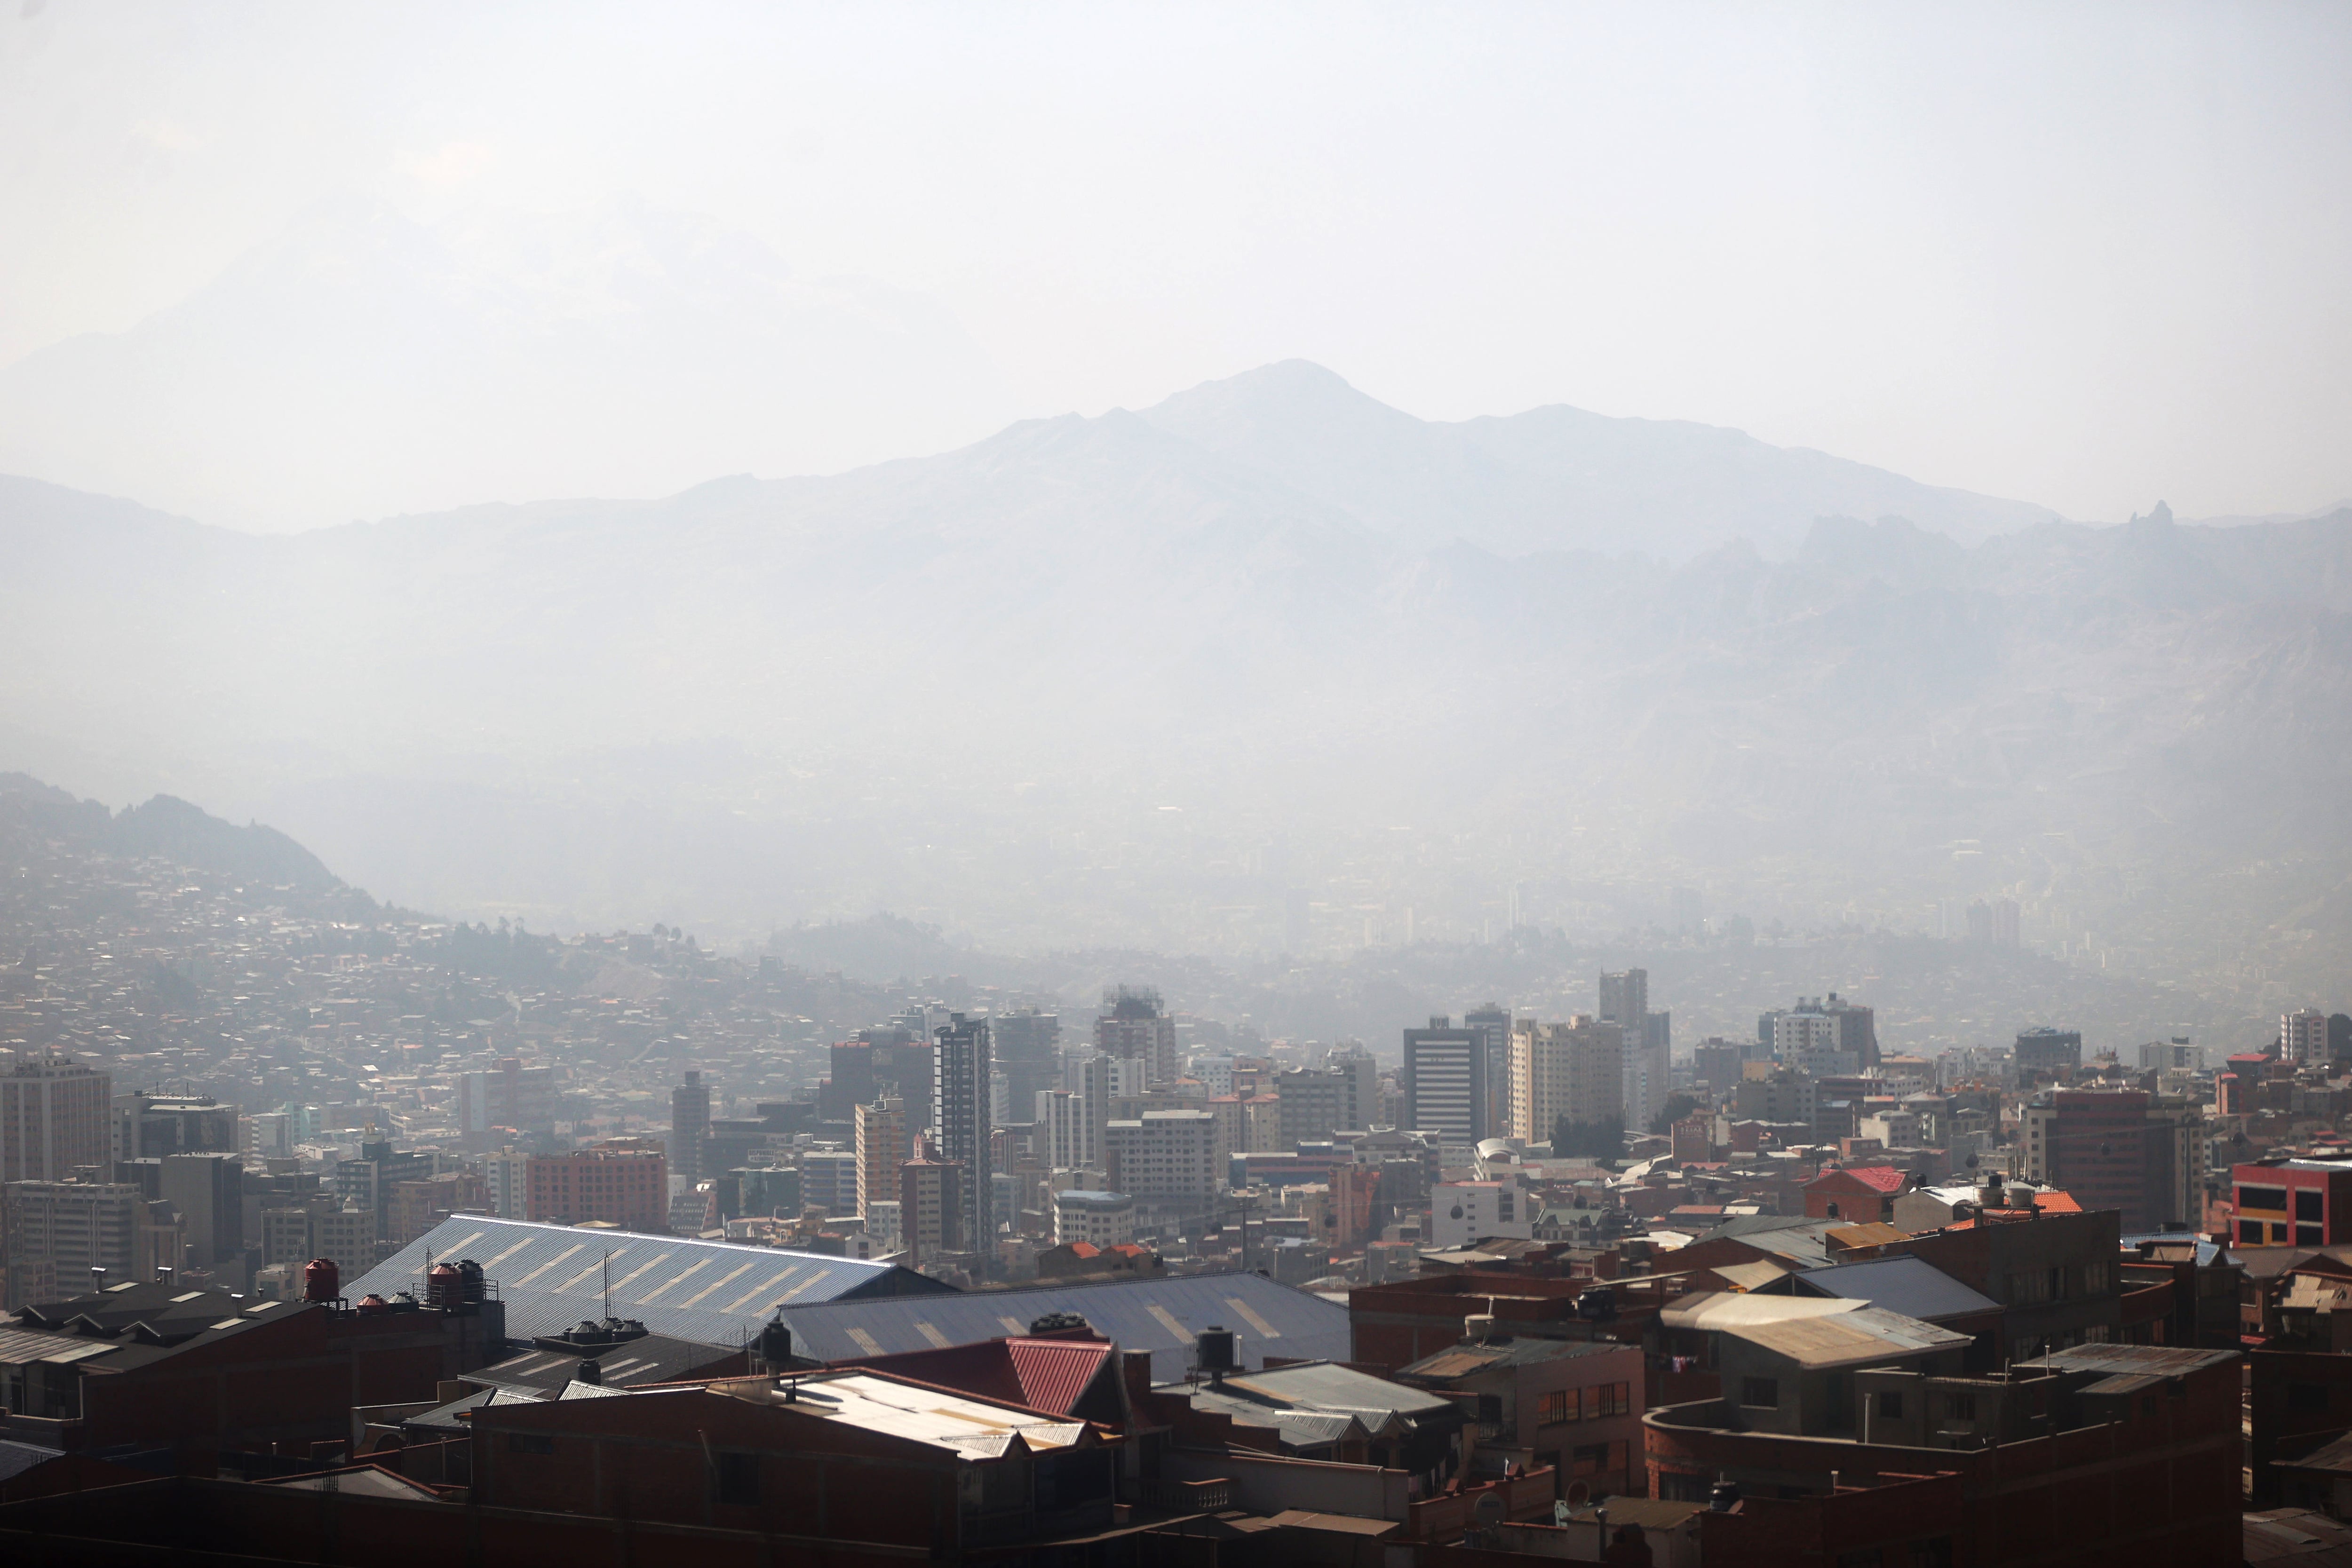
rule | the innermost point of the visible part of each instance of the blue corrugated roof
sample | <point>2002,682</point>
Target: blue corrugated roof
<point>1159,1315</point>
<point>552,1276</point>
<point>1910,1286</point>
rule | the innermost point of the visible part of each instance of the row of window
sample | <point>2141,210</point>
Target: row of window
<point>1565,1404</point>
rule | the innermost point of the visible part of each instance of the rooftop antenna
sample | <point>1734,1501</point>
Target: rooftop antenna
<point>608,1283</point>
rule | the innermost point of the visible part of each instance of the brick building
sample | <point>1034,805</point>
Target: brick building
<point>621,1183</point>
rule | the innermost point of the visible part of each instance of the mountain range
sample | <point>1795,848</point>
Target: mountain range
<point>1269,664</point>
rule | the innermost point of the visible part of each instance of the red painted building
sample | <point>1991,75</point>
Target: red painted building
<point>1861,1195</point>
<point>2292,1203</point>
<point>625,1185</point>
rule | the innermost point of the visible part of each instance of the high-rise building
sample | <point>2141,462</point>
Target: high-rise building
<point>1025,1047</point>
<point>2005,923</point>
<point>1361,1108</point>
<point>150,1126</point>
<point>1495,1023</point>
<point>507,1173</point>
<point>959,1071</point>
<point>1827,1037</point>
<point>930,1205</point>
<point>1572,1071</point>
<point>75,1227</point>
<point>883,1146</point>
<point>2118,1149</point>
<point>1445,1081</point>
<point>1134,1026</point>
<point>507,1095</point>
<point>2043,1052</point>
<point>690,1127</point>
<point>209,1192</point>
<point>2303,1036</point>
<point>1314,1103</point>
<point>53,1117</point>
<point>1647,1070</point>
<point>1166,1161</point>
<point>624,1182</point>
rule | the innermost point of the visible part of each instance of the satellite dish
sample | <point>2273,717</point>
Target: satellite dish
<point>1579,1493</point>
<point>1489,1512</point>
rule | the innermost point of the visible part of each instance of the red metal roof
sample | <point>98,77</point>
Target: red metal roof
<point>1054,1373</point>
<point>1884,1178</point>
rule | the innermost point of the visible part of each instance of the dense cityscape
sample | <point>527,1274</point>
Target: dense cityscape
<point>1500,1273</point>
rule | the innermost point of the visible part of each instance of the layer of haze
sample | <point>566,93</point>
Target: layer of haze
<point>2081,256</point>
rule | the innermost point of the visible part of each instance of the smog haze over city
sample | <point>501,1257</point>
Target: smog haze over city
<point>1338,513</point>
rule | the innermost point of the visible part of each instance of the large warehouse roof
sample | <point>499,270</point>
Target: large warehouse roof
<point>1159,1315</point>
<point>552,1276</point>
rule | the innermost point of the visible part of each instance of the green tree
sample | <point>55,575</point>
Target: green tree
<point>1677,1106</point>
<point>1601,1140</point>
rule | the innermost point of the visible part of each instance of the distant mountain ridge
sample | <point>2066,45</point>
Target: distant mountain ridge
<point>1183,679</point>
<point>1553,477</point>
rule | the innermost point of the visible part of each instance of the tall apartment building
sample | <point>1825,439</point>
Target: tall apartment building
<point>2303,1036</point>
<point>1495,1023</point>
<point>624,1182</point>
<point>829,1180</point>
<point>1446,1089</point>
<point>413,1208</point>
<point>1572,1071</point>
<point>884,1144</point>
<point>1070,1124</point>
<point>960,1072</point>
<point>53,1117</point>
<point>2043,1052</point>
<point>690,1128</point>
<point>209,1192</point>
<point>150,1126</point>
<point>930,1206</point>
<point>1024,1046</point>
<point>1648,1067</point>
<point>506,1095</point>
<point>1134,1027</point>
<point>2118,1149</point>
<point>1362,1109</point>
<point>1315,1105</point>
<point>1166,1161</point>
<point>297,1233</point>
<point>507,1173</point>
<point>70,1228</point>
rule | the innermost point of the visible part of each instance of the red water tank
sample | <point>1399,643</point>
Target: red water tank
<point>444,1287</point>
<point>372,1304</point>
<point>321,1280</point>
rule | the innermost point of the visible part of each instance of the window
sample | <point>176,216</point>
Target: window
<point>2268,1199</point>
<point>529,1443</point>
<point>1556,1409</point>
<point>2250,1231</point>
<point>735,1480</point>
<point>1960,1407</point>
<point>2306,1397</point>
<point>2309,1205</point>
<point>1588,1401</point>
<point>1490,1409</point>
<point>1761,1393</point>
<point>1591,1458</point>
<point>2309,1235</point>
<point>1890,1405</point>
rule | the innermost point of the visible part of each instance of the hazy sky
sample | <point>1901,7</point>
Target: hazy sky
<point>2086,255</point>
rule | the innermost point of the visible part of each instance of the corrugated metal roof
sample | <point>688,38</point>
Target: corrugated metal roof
<point>2155,1360</point>
<point>1911,1286</point>
<point>1845,1339</point>
<point>1054,1373</point>
<point>1159,1315</point>
<point>552,1276</point>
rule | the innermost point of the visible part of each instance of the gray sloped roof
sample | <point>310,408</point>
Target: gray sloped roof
<point>1910,1286</point>
<point>1161,1315</point>
<point>552,1276</point>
